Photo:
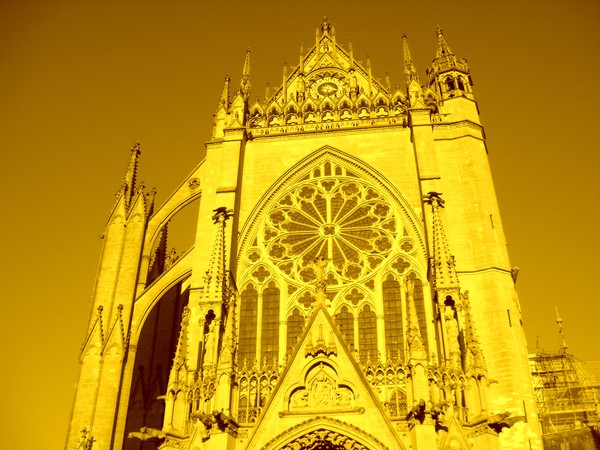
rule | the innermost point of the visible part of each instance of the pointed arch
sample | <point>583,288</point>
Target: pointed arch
<point>344,319</point>
<point>367,334</point>
<point>248,326</point>
<point>295,327</point>
<point>393,313</point>
<point>321,430</point>
<point>269,346</point>
<point>353,167</point>
<point>333,205</point>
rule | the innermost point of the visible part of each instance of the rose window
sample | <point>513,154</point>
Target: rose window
<point>344,220</point>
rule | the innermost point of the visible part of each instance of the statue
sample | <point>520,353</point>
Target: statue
<point>86,441</point>
<point>451,327</point>
<point>209,345</point>
<point>301,86</point>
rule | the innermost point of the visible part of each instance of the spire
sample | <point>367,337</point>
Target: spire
<point>370,75</point>
<point>226,360</point>
<point>445,59</point>
<point>215,284</point>
<point>129,187</point>
<point>224,102</point>
<point>443,49</point>
<point>410,73</point>
<point>284,84</point>
<point>181,350</point>
<point>449,75</point>
<point>351,51</point>
<point>563,342</point>
<point>301,64</point>
<point>245,83</point>
<point>477,364</point>
<point>443,266</point>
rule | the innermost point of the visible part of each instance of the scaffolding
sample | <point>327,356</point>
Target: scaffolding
<point>567,392</point>
<point>567,395</point>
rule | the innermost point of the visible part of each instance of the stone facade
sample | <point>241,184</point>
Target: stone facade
<point>349,286</point>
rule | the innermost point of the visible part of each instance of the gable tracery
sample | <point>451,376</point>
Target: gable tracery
<point>330,211</point>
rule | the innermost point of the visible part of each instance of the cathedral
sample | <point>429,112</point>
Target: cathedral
<point>349,285</point>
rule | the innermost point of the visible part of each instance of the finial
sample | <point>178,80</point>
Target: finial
<point>351,51</point>
<point>410,73</point>
<point>442,263</point>
<point>442,48</point>
<point>370,75</point>
<point>563,343</point>
<point>284,84</point>
<point>222,214</point>
<point>326,27</point>
<point>268,92</point>
<point>129,181</point>
<point>245,83</point>
<point>415,340</point>
<point>224,102</point>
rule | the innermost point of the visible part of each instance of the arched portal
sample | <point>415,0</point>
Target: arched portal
<point>324,439</point>
<point>327,433</point>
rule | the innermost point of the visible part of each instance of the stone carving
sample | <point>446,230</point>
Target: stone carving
<point>146,434</point>
<point>86,441</point>
<point>323,392</point>
<point>329,230</point>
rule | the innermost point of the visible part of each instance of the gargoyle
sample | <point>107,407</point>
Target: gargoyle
<point>498,422</point>
<point>417,413</point>
<point>145,434</point>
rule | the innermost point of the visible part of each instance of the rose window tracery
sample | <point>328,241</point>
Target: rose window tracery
<point>342,219</point>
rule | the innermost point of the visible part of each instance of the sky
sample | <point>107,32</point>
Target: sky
<point>82,81</point>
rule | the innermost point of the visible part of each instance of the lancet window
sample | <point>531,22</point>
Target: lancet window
<point>258,303</point>
<point>247,333</point>
<point>351,222</point>
<point>367,335</point>
<point>345,322</point>
<point>419,299</point>
<point>392,311</point>
<point>295,326</point>
<point>269,348</point>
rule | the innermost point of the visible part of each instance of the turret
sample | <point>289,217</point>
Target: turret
<point>449,76</point>
<point>234,114</point>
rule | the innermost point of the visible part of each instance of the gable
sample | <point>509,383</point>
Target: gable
<point>323,392</point>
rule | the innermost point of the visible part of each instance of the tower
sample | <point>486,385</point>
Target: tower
<point>349,285</point>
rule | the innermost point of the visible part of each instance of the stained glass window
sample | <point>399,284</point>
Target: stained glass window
<point>345,321</point>
<point>269,347</point>
<point>420,306</point>
<point>344,220</point>
<point>295,326</point>
<point>392,310</point>
<point>367,335</point>
<point>247,337</point>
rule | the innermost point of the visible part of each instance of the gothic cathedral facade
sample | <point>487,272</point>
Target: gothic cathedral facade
<point>349,286</point>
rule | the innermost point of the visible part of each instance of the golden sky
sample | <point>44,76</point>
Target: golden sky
<point>81,81</point>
